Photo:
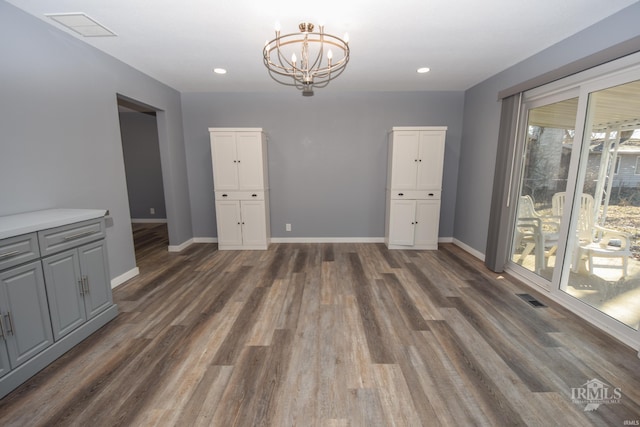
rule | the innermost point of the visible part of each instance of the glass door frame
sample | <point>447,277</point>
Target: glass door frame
<point>614,73</point>
<point>531,100</point>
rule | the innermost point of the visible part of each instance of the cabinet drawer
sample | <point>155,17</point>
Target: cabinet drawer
<point>18,249</point>
<point>414,194</point>
<point>69,236</point>
<point>239,195</point>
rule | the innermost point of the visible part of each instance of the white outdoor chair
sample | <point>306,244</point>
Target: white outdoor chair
<point>593,240</point>
<point>537,232</point>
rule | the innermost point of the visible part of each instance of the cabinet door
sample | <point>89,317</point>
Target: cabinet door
<point>250,161</point>
<point>23,304</point>
<point>254,231</point>
<point>427,223</point>
<point>64,292</point>
<point>228,219</point>
<point>404,159</point>
<point>402,222</point>
<point>94,268</point>
<point>5,367</point>
<point>430,160</point>
<point>224,160</point>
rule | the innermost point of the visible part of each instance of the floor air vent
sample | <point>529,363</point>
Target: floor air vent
<point>531,300</point>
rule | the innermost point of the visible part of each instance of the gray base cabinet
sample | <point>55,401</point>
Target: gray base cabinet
<point>24,311</point>
<point>54,292</point>
<point>77,285</point>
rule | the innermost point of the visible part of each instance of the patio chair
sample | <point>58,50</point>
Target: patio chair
<point>593,240</point>
<point>537,232</point>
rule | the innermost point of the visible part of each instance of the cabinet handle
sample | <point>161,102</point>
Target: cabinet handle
<point>10,330</point>
<point>254,195</point>
<point>431,194</point>
<point>8,254</point>
<point>81,286</point>
<point>4,337</point>
<point>78,235</point>
<point>400,194</point>
<point>85,284</point>
<point>224,195</point>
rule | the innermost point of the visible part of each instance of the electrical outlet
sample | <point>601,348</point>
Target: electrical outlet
<point>152,211</point>
<point>288,227</point>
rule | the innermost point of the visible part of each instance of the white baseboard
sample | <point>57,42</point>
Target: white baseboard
<point>181,246</point>
<point>149,220</point>
<point>469,249</point>
<point>445,239</point>
<point>205,240</point>
<point>327,240</point>
<point>117,281</point>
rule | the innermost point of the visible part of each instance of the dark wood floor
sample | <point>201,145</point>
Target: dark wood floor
<point>331,335</point>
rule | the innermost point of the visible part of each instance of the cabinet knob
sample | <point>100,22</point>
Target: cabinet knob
<point>420,160</point>
<point>235,161</point>
<point>430,194</point>
<point>415,160</point>
<point>224,195</point>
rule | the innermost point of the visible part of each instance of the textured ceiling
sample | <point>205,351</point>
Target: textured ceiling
<point>462,41</point>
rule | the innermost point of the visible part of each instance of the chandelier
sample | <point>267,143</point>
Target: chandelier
<point>306,59</point>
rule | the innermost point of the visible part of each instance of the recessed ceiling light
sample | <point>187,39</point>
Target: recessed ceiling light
<point>423,70</point>
<point>81,24</point>
<point>220,71</point>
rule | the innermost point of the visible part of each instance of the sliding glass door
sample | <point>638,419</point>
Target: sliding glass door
<point>605,252</point>
<point>576,200</point>
<point>548,147</point>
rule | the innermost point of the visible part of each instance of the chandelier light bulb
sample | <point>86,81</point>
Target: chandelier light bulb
<point>277,27</point>
<point>329,54</point>
<point>294,59</point>
<point>346,37</point>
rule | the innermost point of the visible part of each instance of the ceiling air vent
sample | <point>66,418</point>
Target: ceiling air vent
<point>81,24</point>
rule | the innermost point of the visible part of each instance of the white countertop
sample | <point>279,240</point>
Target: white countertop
<point>28,222</point>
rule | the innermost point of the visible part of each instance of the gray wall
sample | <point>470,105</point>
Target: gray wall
<point>59,133</point>
<point>142,165</point>
<point>327,155</point>
<point>482,117</point>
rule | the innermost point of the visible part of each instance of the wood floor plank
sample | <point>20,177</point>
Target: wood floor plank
<point>327,334</point>
<point>267,320</point>
<point>408,310</point>
<point>372,327</point>
<point>236,338</point>
<point>395,397</point>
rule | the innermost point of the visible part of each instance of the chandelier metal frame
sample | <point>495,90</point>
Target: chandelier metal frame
<point>314,68</point>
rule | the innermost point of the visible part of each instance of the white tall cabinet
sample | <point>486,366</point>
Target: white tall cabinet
<point>414,184</point>
<point>241,185</point>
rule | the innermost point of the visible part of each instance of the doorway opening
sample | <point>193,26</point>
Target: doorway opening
<point>143,171</point>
